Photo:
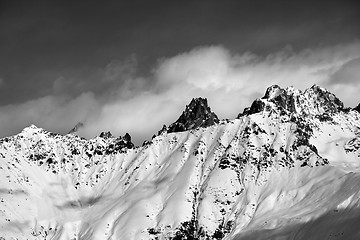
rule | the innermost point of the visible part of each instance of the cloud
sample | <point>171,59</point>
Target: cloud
<point>230,81</point>
<point>61,85</point>
<point>51,112</point>
<point>120,70</point>
<point>141,116</point>
<point>345,82</point>
<point>348,73</point>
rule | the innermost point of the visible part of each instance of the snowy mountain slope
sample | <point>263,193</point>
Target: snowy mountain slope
<point>286,168</point>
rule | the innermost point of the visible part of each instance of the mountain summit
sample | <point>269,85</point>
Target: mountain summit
<point>196,114</point>
<point>312,101</point>
<point>287,168</point>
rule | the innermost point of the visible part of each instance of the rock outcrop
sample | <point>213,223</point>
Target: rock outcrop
<point>197,114</point>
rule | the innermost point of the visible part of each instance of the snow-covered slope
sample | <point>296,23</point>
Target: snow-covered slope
<point>286,168</point>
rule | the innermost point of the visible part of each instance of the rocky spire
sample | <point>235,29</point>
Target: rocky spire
<point>196,114</point>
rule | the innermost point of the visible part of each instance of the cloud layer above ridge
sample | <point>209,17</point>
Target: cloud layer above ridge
<point>141,105</point>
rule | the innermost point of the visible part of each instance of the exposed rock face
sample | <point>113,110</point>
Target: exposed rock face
<point>120,145</point>
<point>281,98</point>
<point>127,138</point>
<point>357,108</point>
<point>106,135</point>
<point>197,114</point>
<point>256,107</point>
<point>313,101</point>
<point>76,127</point>
<point>322,100</point>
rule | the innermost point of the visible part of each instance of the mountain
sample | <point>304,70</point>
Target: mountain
<point>196,114</point>
<point>286,168</point>
<point>313,101</point>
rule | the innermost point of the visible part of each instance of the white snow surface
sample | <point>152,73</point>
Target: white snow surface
<point>239,179</point>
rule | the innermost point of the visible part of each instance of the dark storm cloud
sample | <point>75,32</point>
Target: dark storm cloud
<point>132,65</point>
<point>42,41</point>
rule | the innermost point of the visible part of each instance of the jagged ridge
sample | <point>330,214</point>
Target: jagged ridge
<point>313,101</point>
<point>281,163</point>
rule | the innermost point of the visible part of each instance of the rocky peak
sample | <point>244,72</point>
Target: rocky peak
<point>196,114</point>
<point>314,101</point>
<point>124,141</point>
<point>282,98</point>
<point>120,144</point>
<point>127,137</point>
<point>76,127</point>
<point>322,100</point>
<point>106,135</point>
<point>273,92</point>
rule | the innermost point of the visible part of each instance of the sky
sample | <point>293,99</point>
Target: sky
<point>132,66</point>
